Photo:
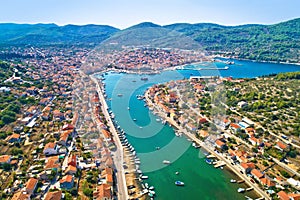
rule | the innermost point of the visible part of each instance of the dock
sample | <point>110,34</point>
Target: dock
<point>219,164</point>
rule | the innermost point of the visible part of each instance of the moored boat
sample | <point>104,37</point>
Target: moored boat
<point>232,181</point>
<point>179,183</point>
<point>241,190</point>
<point>166,162</point>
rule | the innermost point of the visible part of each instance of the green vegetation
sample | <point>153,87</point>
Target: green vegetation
<point>277,43</point>
<point>272,101</point>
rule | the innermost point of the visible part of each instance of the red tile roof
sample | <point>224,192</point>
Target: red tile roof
<point>31,183</point>
<point>283,195</point>
<point>256,173</point>
<point>56,195</point>
<point>4,158</point>
<point>233,125</point>
<point>67,178</point>
<point>281,145</point>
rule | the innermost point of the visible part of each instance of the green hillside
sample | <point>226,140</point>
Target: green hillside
<point>279,42</point>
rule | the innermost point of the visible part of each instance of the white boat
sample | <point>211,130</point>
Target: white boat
<point>179,183</point>
<point>232,181</point>
<point>241,190</point>
<point>144,177</point>
<point>151,188</point>
<point>166,162</point>
<point>176,173</point>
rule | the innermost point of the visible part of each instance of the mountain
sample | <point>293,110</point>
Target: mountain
<point>277,42</point>
<point>49,34</point>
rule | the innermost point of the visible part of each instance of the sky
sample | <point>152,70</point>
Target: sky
<point>124,13</point>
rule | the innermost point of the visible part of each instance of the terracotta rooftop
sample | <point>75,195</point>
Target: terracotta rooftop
<point>31,183</point>
<point>56,195</point>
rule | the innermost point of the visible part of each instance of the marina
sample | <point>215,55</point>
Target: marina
<point>163,135</point>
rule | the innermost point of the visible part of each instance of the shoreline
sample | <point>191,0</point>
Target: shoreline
<point>261,61</point>
<point>231,168</point>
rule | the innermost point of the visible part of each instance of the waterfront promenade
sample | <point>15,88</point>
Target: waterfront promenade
<point>233,168</point>
<point>118,154</point>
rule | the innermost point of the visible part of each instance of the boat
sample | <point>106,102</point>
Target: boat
<point>120,95</point>
<point>176,173</point>
<point>134,119</point>
<point>240,190</point>
<point>166,162</point>
<point>128,108</point>
<point>208,161</point>
<point>232,181</point>
<point>144,79</point>
<point>144,177</point>
<point>151,188</point>
<point>179,183</point>
<point>157,148</point>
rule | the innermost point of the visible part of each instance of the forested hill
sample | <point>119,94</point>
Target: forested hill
<point>278,42</point>
<point>52,34</point>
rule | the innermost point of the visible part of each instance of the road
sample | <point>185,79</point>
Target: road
<point>235,169</point>
<point>118,154</point>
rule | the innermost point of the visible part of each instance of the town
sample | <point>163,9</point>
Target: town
<point>266,161</point>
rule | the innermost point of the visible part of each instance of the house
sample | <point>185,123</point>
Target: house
<point>267,181</point>
<point>67,182</point>
<point>13,138</point>
<point>281,146</point>
<point>108,174</point>
<point>72,160</point>
<point>58,116</point>
<point>103,192</point>
<point>5,159</point>
<point>203,133</point>
<point>52,163</point>
<point>242,104</point>
<point>50,149</point>
<point>282,195</point>
<point>56,195</point>
<point>191,127</point>
<point>202,120</point>
<point>220,144</point>
<point>68,127</point>
<point>21,195</point>
<point>63,139</point>
<point>31,185</point>
<point>248,167</point>
<point>71,170</point>
<point>254,141</point>
<point>257,174</point>
<point>234,127</point>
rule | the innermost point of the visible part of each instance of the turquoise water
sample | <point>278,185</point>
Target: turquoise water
<point>146,132</point>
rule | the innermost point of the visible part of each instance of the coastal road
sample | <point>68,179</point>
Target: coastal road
<point>235,169</point>
<point>118,155</point>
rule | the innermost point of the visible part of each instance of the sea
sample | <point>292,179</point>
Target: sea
<point>154,141</point>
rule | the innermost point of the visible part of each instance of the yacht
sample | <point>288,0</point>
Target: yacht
<point>179,183</point>
<point>241,190</point>
<point>232,181</point>
<point>166,162</point>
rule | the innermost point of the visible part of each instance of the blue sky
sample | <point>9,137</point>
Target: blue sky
<point>124,13</point>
